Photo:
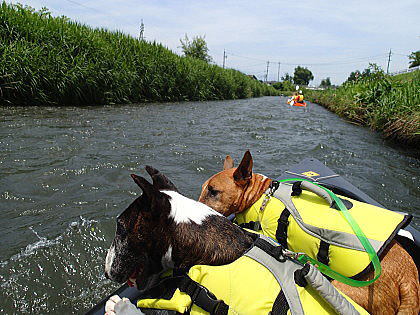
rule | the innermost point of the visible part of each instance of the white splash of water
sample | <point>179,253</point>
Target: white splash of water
<point>43,242</point>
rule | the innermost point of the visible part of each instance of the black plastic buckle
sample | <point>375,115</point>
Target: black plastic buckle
<point>277,253</point>
<point>274,186</point>
<point>203,298</point>
<point>256,226</point>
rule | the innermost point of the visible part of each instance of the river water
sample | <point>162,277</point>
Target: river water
<point>64,176</point>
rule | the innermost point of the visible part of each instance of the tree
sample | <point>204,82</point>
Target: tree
<point>373,69</point>
<point>288,86</point>
<point>197,48</point>
<point>415,59</point>
<point>284,86</point>
<point>325,83</point>
<point>278,86</point>
<point>287,77</point>
<point>354,75</point>
<point>302,76</point>
<point>366,73</point>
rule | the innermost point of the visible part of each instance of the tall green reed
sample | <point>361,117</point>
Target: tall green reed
<point>47,60</point>
<point>385,103</point>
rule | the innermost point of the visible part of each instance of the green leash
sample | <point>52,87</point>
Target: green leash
<point>303,258</point>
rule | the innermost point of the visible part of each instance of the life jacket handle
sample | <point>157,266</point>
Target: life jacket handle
<point>303,258</point>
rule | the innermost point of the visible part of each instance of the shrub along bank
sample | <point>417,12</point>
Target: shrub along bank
<point>47,60</point>
<point>385,103</point>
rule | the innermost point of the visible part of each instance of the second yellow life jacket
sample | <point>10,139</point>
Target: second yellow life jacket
<point>302,221</point>
<point>259,282</point>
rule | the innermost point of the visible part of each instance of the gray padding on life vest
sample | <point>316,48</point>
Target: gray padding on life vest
<point>342,239</point>
<point>317,191</point>
<point>327,291</point>
<point>283,272</point>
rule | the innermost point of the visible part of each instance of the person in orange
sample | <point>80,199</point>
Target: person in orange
<point>299,97</point>
<point>296,98</point>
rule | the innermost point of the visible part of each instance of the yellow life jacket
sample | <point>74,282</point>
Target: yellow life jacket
<point>307,223</point>
<point>299,98</point>
<point>251,285</point>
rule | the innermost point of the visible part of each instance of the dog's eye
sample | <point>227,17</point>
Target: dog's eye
<point>212,192</point>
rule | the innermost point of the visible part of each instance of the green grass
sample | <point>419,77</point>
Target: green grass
<point>47,60</point>
<point>385,103</point>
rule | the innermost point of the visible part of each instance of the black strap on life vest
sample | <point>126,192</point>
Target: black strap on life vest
<point>282,224</point>
<point>299,276</point>
<point>323,255</point>
<point>202,297</point>
<point>274,251</point>
<point>296,190</point>
<point>280,306</point>
<point>199,294</point>
<point>251,225</point>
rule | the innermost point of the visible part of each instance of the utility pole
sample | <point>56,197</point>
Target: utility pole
<point>224,57</point>
<point>266,75</point>
<point>278,73</point>
<point>141,36</point>
<point>389,59</point>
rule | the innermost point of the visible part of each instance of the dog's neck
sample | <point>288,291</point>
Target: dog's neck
<point>257,186</point>
<point>202,236</point>
<point>215,242</point>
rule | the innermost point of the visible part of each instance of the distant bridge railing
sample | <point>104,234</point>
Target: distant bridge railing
<point>405,70</point>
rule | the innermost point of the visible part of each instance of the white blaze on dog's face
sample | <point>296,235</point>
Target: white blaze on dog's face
<point>224,192</point>
<point>142,245</point>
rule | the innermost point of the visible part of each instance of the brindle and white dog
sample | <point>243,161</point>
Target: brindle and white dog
<point>163,229</point>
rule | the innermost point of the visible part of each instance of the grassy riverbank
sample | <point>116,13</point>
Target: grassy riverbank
<point>384,103</point>
<point>47,60</point>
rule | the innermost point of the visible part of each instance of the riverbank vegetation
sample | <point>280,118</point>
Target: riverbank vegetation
<point>47,60</point>
<point>385,103</point>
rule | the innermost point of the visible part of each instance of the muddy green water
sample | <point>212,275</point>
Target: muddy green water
<point>64,176</point>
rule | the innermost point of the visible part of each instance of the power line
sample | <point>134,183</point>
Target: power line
<point>394,53</point>
<point>251,66</point>
<point>85,6</point>
<point>349,61</point>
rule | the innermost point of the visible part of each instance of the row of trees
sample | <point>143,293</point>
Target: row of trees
<point>301,76</point>
<point>197,48</point>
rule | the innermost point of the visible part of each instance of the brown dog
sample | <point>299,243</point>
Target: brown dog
<point>395,292</point>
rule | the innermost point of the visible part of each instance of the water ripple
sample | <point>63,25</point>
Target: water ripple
<point>65,175</point>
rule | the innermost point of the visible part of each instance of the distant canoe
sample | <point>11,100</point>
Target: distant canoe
<point>297,104</point>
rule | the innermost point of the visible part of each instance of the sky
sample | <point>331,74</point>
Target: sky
<point>330,38</point>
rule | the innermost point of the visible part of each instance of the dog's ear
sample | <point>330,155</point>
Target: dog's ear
<point>243,173</point>
<point>228,163</point>
<point>160,181</point>
<point>158,201</point>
